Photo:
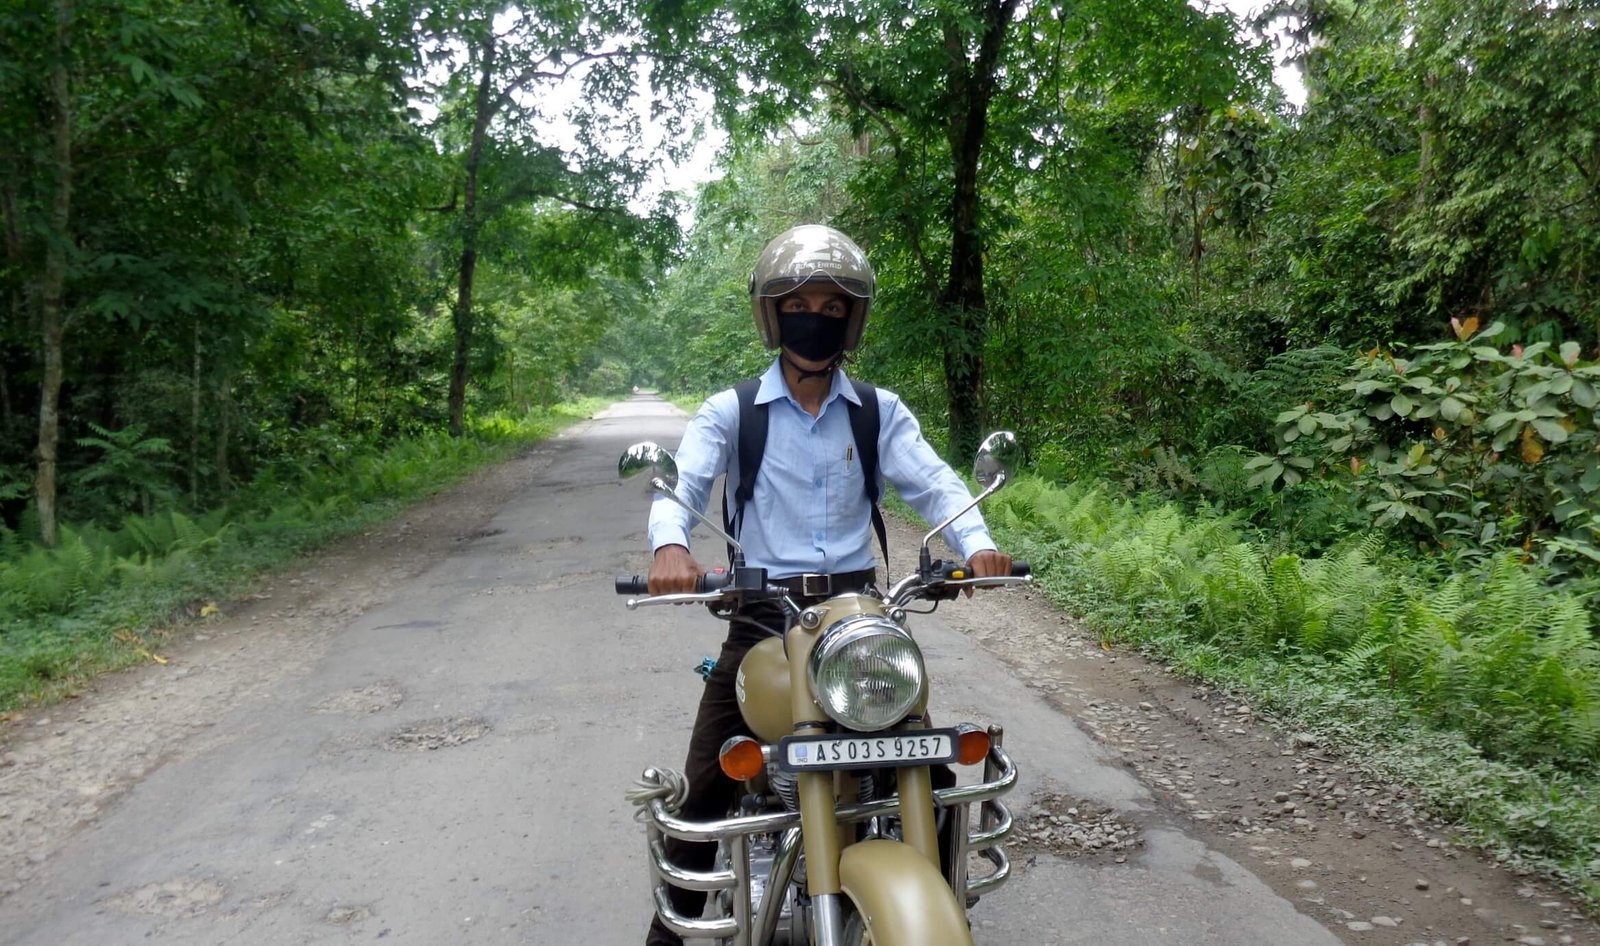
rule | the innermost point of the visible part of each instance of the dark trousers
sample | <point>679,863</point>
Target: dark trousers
<point>711,793</point>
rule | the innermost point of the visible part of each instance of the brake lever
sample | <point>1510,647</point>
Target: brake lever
<point>993,581</point>
<point>775,593</point>
<point>634,604</point>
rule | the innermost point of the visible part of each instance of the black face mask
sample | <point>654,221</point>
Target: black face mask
<point>812,335</point>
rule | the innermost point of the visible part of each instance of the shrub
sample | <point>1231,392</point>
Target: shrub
<point>1466,449</point>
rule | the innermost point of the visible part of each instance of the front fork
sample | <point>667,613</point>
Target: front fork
<point>825,837</point>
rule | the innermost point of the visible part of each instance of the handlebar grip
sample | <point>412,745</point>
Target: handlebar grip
<point>633,585</point>
<point>714,580</point>
<point>640,585</point>
<point>956,571</point>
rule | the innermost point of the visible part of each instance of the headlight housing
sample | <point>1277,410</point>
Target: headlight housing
<point>867,673</point>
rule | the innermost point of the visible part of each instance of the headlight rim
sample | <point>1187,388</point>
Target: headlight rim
<point>837,636</point>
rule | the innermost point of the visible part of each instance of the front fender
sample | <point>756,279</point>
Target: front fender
<point>903,897</point>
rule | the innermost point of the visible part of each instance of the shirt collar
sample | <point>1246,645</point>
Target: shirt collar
<point>773,386</point>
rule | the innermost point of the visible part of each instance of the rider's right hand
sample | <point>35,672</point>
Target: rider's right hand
<point>673,571</point>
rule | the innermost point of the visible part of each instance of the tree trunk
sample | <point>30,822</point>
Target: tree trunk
<point>1427,120</point>
<point>224,430</point>
<point>52,292</point>
<point>461,316</point>
<point>194,421</point>
<point>971,88</point>
<point>13,244</point>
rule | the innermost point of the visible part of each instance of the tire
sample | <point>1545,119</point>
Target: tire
<point>855,929</point>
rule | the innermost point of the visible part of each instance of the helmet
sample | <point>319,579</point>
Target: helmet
<point>805,254</point>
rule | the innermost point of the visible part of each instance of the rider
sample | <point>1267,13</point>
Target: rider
<point>809,516</point>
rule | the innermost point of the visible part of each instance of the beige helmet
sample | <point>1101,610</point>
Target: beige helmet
<point>811,253</point>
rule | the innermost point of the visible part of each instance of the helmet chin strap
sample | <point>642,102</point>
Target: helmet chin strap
<point>806,375</point>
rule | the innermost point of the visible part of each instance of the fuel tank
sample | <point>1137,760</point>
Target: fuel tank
<point>762,686</point>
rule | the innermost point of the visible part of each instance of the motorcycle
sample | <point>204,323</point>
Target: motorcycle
<point>837,839</point>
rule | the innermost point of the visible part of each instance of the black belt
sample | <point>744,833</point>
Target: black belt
<point>823,586</point>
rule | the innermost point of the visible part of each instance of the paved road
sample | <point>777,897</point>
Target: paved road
<point>316,813</point>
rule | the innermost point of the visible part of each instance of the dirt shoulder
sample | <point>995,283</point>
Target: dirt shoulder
<point>62,766</point>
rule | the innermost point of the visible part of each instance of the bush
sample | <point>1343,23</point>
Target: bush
<point>1468,450</point>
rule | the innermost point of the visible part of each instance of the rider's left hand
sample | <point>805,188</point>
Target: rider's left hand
<point>990,563</point>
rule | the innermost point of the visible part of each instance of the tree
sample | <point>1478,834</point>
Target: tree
<point>496,109</point>
<point>1467,126</point>
<point>955,106</point>
<point>147,143</point>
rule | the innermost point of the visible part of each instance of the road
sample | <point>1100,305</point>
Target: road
<point>444,762</point>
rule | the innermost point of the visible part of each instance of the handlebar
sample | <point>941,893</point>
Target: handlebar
<point>714,580</point>
<point>945,581</point>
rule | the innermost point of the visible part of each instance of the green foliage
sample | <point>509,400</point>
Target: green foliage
<point>1467,446</point>
<point>132,471</point>
<point>1498,657</point>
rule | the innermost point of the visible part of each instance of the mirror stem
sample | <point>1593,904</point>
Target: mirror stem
<point>999,481</point>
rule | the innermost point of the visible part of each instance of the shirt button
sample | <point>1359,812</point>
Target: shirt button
<point>817,482</point>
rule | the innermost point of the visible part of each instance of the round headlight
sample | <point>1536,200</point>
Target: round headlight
<point>867,673</point>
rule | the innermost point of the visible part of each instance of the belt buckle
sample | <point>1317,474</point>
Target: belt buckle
<point>816,586</point>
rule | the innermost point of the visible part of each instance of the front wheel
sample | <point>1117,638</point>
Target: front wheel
<point>855,929</point>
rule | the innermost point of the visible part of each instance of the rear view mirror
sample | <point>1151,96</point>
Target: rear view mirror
<point>998,457</point>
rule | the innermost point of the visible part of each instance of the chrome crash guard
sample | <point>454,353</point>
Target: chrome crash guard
<point>744,927</point>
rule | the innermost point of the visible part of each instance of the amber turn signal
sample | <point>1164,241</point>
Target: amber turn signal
<point>741,758</point>
<point>972,746</point>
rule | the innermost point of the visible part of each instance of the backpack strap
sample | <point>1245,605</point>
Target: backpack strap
<point>752,447</point>
<point>865,425</point>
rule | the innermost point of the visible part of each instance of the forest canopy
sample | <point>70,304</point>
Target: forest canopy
<point>239,235</point>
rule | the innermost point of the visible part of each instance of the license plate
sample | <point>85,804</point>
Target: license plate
<point>833,753</point>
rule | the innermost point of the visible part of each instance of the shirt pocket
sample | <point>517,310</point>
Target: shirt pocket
<point>846,487</point>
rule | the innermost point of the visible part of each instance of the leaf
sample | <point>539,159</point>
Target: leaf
<point>1569,353</point>
<point>1267,476</point>
<point>1450,409</point>
<point>1550,430</point>
<point>1532,450</point>
<point>1584,395</point>
<point>209,609</point>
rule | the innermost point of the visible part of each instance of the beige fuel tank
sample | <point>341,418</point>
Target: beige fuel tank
<point>762,688</point>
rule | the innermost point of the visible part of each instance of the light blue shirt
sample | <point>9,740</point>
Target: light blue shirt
<point>810,512</point>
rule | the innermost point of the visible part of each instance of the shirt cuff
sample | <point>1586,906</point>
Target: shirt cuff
<point>668,534</point>
<point>978,540</point>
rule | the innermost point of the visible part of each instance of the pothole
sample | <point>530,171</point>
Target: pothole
<point>343,916</point>
<point>178,898</point>
<point>437,734</point>
<point>477,534</point>
<point>1069,827</point>
<point>373,698</point>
